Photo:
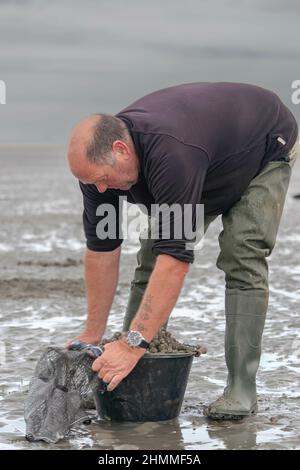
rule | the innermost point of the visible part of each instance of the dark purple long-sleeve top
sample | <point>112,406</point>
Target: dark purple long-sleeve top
<point>198,143</point>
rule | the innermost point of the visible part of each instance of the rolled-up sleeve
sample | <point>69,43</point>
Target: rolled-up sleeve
<point>101,218</point>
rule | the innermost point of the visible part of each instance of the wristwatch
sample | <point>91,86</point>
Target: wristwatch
<point>136,340</point>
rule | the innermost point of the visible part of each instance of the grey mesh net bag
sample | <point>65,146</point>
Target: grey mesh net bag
<point>60,391</point>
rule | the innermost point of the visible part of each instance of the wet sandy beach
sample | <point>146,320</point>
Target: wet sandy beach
<point>43,303</point>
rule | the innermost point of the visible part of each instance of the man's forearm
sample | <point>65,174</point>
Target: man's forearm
<point>101,279</point>
<point>160,297</point>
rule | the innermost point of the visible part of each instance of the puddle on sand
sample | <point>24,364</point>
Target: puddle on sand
<point>44,304</point>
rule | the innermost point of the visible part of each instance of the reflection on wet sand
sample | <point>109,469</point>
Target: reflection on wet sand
<point>42,303</point>
<point>121,436</point>
<point>237,435</point>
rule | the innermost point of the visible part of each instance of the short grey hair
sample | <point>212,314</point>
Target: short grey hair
<point>106,130</point>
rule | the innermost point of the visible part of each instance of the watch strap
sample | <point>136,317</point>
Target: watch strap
<point>144,344</point>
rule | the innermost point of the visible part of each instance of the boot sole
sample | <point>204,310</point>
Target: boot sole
<point>232,416</point>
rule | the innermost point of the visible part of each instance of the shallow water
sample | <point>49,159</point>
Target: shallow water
<point>42,303</point>
<point>60,67</point>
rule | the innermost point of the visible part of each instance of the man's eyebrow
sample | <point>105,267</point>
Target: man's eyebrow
<point>92,182</point>
<point>99,179</point>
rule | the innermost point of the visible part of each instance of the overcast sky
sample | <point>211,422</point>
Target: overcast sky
<point>62,60</point>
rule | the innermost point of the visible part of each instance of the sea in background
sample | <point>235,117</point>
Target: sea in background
<point>64,60</point>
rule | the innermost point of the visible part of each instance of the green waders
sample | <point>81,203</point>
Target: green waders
<point>146,260</point>
<point>248,237</point>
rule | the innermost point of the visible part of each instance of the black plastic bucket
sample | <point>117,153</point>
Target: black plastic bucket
<point>153,391</point>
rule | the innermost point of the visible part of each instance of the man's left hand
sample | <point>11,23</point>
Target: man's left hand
<point>116,362</point>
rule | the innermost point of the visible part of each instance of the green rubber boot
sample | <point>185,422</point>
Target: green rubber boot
<point>245,319</point>
<point>146,261</point>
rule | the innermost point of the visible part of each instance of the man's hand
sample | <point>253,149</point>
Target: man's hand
<point>85,337</point>
<point>116,362</point>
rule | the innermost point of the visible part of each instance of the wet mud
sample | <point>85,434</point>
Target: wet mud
<point>43,303</point>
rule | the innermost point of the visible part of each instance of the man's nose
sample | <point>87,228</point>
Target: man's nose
<point>101,187</point>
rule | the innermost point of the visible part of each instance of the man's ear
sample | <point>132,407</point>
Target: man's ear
<point>119,148</point>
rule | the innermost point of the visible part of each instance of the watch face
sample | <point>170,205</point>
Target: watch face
<point>134,338</point>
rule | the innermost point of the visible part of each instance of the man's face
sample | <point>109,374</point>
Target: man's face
<point>123,175</point>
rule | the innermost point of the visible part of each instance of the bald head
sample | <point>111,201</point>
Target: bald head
<point>102,152</point>
<point>81,138</point>
<point>92,140</point>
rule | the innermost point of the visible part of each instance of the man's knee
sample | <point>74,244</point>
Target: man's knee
<point>243,260</point>
<point>146,259</point>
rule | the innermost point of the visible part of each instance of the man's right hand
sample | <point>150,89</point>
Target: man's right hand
<point>85,338</point>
